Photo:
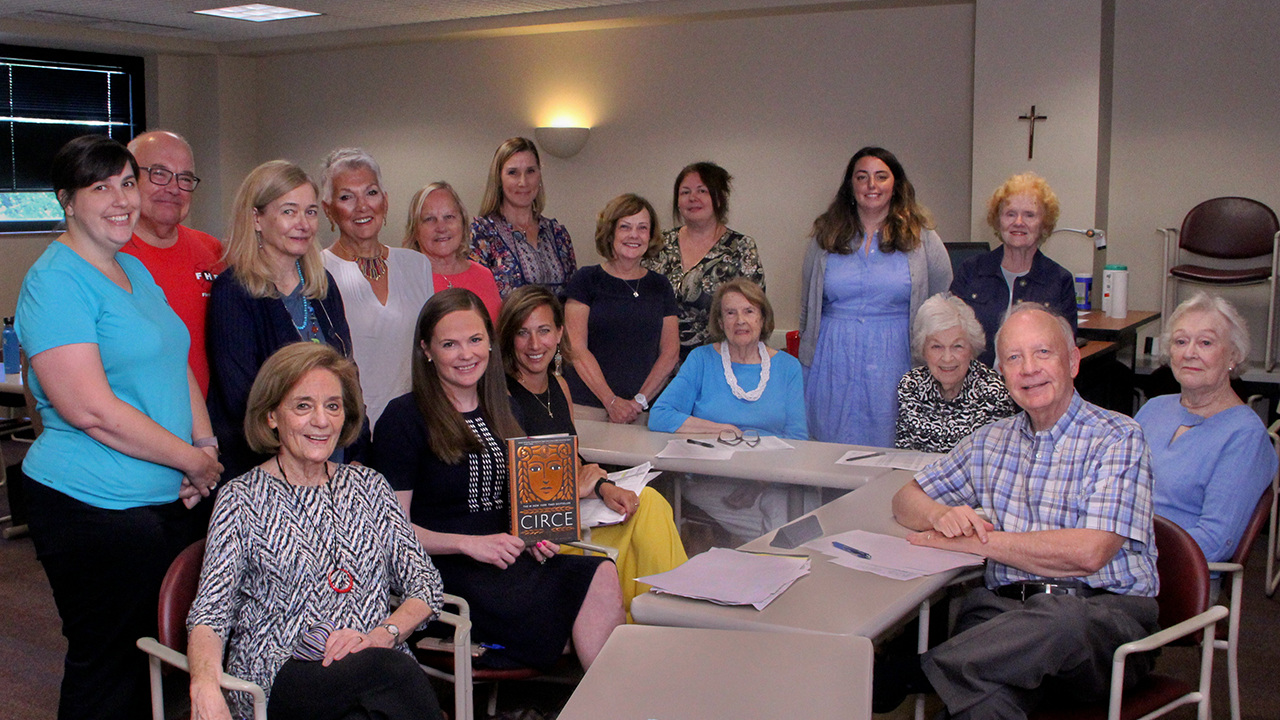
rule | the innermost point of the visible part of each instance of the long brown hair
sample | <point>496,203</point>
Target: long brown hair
<point>516,309</point>
<point>448,435</point>
<point>835,229</point>
<point>492,201</point>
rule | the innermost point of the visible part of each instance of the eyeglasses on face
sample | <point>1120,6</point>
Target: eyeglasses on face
<point>163,176</point>
<point>733,437</point>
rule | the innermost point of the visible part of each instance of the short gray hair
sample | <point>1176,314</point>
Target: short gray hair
<point>1237,331</point>
<point>1023,306</point>
<point>342,160</point>
<point>941,313</point>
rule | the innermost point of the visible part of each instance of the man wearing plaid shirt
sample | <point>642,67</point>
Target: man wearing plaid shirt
<point>1071,570</point>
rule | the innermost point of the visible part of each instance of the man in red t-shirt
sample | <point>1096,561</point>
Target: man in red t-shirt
<point>184,262</point>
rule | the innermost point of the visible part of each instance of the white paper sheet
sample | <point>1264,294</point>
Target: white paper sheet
<point>901,459</point>
<point>594,513</point>
<point>683,449</point>
<point>731,577</point>
<point>891,557</point>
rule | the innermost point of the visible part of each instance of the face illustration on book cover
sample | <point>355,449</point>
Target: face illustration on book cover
<point>543,469</point>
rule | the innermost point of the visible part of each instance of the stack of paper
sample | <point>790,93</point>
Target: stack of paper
<point>594,513</point>
<point>731,577</point>
<point>891,557</point>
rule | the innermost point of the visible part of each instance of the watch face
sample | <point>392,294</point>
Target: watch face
<point>395,631</point>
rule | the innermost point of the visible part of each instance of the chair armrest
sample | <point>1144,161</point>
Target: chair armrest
<point>1226,567</point>
<point>168,655</point>
<point>1169,634</point>
<point>601,549</point>
<point>464,608</point>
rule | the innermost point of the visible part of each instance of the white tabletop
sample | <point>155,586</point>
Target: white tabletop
<point>651,672</point>
<point>810,463</point>
<point>12,384</point>
<point>831,599</point>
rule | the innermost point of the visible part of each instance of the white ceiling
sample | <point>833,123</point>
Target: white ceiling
<point>175,18</point>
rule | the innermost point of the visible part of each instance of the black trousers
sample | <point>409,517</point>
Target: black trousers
<point>375,683</point>
<point>105,568</point>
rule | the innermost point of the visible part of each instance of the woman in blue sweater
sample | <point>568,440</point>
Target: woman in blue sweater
<point>736,384</point>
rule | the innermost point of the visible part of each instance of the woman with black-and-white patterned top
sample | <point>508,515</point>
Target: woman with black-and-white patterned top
<point>302,557</point>
<point>952,394</point>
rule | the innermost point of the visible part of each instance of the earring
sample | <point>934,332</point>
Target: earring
<point>331,225</point>
<point>258,234</point>
<point>429,359</point>
<point>559,360</point>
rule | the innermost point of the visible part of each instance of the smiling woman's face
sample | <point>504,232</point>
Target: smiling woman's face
<point>947,355</point>
<point>631,236</point>
<point>1021,217</point>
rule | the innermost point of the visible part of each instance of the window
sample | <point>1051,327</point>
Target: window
<point>48,97</point>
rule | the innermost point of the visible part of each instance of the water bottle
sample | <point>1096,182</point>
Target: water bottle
<point>11,348</point>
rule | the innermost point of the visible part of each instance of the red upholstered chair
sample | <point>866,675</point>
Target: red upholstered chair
<point>1184,614</point>
<point>1235,566</point>
<point>178,592</point>
<point>1225,228</point>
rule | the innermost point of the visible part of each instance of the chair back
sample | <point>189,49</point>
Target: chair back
<point>1184,574</point>
<point>1261,513</point>
<point>1229,228</point>
<point>177,592</point>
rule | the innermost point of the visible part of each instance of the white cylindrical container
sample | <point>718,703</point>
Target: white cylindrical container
<point>1119,293</point>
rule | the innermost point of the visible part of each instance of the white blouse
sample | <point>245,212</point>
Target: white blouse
<point>382,336</point>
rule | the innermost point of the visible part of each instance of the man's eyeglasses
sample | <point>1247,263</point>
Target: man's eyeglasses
<point>163,176</point>
<point>732,437</point>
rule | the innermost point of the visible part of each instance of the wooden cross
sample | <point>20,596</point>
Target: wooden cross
<point>1031,140</point>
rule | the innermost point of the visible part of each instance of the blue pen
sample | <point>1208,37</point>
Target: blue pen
<point>851,550</point>
<point>492,646</point>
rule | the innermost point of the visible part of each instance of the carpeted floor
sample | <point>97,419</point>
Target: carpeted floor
<point>32,647</point>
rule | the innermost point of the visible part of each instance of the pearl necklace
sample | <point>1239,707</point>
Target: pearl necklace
<point>732,379</point>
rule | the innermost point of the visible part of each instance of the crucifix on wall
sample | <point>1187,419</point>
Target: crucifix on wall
<point>1032,117</point>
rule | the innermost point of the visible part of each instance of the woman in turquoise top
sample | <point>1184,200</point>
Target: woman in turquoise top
<point>734,384</point>
<point>874,258</point>
<point>126,435</point>
<point>1211,457</point>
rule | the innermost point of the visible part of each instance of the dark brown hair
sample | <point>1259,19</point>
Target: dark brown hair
<point>835,229</point>
<point>86,160</point>
<point>448,435</point>
<point>516,309</point>
<point>718,182</point>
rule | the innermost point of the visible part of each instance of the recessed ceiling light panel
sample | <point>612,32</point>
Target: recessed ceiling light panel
<point>257,12</point>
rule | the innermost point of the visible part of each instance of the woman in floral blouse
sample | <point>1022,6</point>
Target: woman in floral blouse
<point>952,394</point>
<point>703,253</point>
<point>510,235</point>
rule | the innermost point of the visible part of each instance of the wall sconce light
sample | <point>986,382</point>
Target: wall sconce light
<point>562,142</point>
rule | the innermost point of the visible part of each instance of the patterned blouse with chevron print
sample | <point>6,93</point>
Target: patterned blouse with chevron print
<point>271,547</point>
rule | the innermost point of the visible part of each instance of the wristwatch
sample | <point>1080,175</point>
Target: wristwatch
<point>395,632</point>
<point>644,402</point>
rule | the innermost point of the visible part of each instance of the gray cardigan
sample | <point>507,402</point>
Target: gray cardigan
<point>930,274</point>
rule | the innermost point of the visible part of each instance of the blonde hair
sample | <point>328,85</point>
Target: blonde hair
<point>492,201</point>
<point>280,373</point>
<point>263,185</point>
<point>1038,188</point>
<point>415,213</point>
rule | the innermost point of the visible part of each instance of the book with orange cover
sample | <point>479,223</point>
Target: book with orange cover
<point>544,488</point>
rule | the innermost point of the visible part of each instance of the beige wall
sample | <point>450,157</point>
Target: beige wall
<point>781,102</point>
<point>1196,103</point>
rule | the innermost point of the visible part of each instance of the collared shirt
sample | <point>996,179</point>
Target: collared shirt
<point>499,246</point>
<point>931,423</point>
<point>1091,470</point>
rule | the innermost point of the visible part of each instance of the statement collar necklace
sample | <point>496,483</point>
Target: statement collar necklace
<point>373,268</point>
<point>732,379</point>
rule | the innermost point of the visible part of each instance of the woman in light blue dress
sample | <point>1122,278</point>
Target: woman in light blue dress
<point>873,259</point>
